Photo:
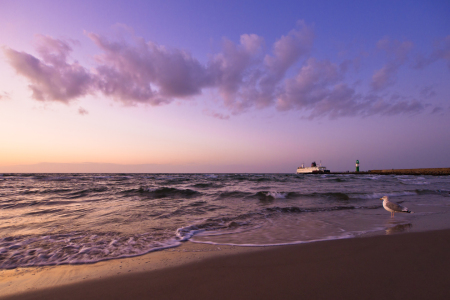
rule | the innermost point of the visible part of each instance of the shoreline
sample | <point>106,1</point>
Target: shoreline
<point>408,265</point>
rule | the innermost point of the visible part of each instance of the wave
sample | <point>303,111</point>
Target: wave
<point>412,180</point>
<point>43,212</point>
<point>433,192</point>
<point>122,178</point>
<point>204,185</point>
<point>344,235</point>
<point>238,177</point>
<point>390,194</point>
<point>337,179</point>
<point>211,176</point>
<point>77,248</point>
<point>167,192</point>
<point>234,194</point>
<point>214,224</point>
<point>11,204</point>
<point>333,195</point>
<point>47,191</point>
<point>198,208</point>
<point>86,192</point>
<point>173,179</point>
<point>253,220</point>
<point>66,191</point>
<point>52,178</point>
<point>272,195</point>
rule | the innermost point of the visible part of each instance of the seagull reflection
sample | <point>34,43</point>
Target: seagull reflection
<point>398,228</point>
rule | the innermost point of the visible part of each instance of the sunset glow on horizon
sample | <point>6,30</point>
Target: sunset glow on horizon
<point>212,86</point>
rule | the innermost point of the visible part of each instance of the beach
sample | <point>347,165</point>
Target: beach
<point>401,266</point>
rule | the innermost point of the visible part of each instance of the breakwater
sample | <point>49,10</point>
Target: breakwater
<point>420,171</point>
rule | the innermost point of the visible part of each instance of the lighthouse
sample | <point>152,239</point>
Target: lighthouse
<point>357,165</point>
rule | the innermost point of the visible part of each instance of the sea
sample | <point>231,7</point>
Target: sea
<point>53,219</point>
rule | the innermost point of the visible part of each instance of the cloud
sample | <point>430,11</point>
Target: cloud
<point>319,89</point>
<point>388,108</point>
<point>395,49</point>
<point>216,115</point>
<point>145,72</point>
<point>4,96</point>
<point>51,77</point>
<point>384,76</point>
<point>82,111</point>
<point>397,52</point>
<point>427,92</point>
<point>245,74</point>
<point>437,109</point>
<point>310,86</point>
<point>441,51</point>
<point>287,51</point>
<point>231,70</point>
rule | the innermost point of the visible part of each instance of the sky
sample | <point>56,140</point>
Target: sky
<point>223,86</point>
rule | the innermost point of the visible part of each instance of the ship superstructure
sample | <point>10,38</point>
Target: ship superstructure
<point>314,169</point>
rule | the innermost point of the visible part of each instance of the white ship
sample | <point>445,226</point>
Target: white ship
<point>314,169</point>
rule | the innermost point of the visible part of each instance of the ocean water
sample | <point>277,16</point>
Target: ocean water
<point>51,219</point>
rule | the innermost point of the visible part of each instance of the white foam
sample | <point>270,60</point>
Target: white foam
<point>211,176</point>
<point>346,235</point>
<point>277,195</point>
<point>149,189</point>
<point>405,179</point>
<point>372,177</point>
<point>76,249</point>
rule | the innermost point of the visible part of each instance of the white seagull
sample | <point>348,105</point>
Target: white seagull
<point>394,207</point>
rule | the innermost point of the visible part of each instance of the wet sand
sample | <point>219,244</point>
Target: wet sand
<point>31,279</point>
<point>403,266</point>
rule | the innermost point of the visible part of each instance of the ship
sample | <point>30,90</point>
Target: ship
<point>314,169</point>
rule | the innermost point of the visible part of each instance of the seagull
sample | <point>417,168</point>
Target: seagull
<point>394,207</point>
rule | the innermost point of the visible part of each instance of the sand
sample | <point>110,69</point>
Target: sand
<point>403,266</point>
<point>21,280</point>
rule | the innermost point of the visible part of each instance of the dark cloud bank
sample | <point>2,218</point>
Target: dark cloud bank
<point>244,76</point>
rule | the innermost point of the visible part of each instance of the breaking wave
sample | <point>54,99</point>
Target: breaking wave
<point>76,248</point>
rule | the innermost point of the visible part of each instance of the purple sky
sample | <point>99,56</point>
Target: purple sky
<point>223,86</point>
